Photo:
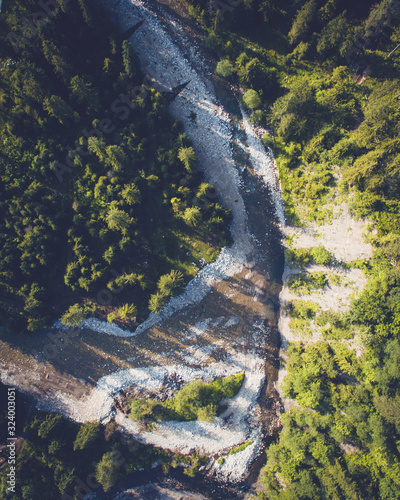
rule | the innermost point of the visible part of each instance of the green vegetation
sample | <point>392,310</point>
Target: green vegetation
<point>100,195</point>
<point>196,400</point>
<point>108,469</point>
<point>60,457</point>
<point>241,447</point>
<point>301,313</point>
<point>321,255</point>
<point>301,257</point>
<point>306,283</point>
<point>224,68</point>
<point>252,99</point>
<point>327,72</point>
<point>335,326</point>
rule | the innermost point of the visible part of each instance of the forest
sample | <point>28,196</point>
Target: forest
<point>66,460</point>
<point>99,193</point>
<point>323,77</point>
<point>102,210</point>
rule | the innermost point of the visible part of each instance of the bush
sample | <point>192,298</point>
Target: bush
<point>321,255</point>
<point>298,257</point>
<point>334,325</point>
<point>143,409</point>
<point>306,283</point>
<point>303,309</point>
<point>224,68</point>
<point>251,99</point>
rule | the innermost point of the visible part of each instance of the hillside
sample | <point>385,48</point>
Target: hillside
<point>323,76</point>
<point>102,211</point>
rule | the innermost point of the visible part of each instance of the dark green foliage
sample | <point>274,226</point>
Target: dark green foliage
<point>64,458</point>
<point>108,470</point>
<point>302,22</point>
<point>87,435</point>
<point>90,163</point>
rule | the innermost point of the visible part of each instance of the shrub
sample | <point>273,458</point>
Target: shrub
<point>303,309</point>
<point>251,99</point>
<point>241,447</point>
<point>298,257</point>
<point>224,68</point>
<point>196,400</point>
<point>334,325</point>
<point>306,283</point>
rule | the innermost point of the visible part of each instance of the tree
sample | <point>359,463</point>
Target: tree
<point>59,109</point>
<point>289,113</point>
<point>108,470</point>
<point>128,58</point>
<point>116,158</point>
<point>83,91</point>
<point>72,275</point>
<point>86,14</point>
<point>157,302</point>
<point>188,158</point>
<point>131,194</point>
<point>192,216</point>
<point>74,315</point>
<point>302,22</point>
<point>225,68</point>
<point>170,284</point>
<point>87,435</point>
<point>97,146</point>
<point>118,220</point>
<point>333,34</point>
<point>127,311</point>
<point>251,99</point>
<point>33,302</point>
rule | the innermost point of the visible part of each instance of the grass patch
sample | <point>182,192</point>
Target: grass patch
<point>335,279</point>
<point>241,447</point>
<point>196,400</point>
